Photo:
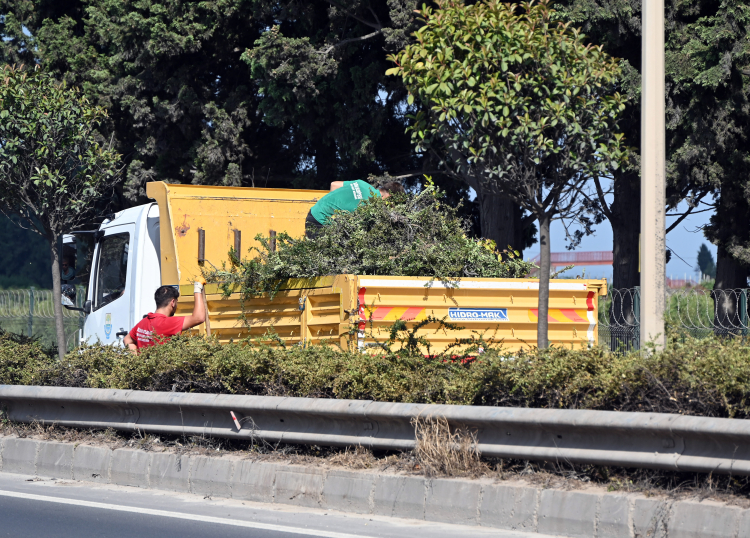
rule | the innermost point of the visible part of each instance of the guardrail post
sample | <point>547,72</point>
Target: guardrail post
<point>31,312</point>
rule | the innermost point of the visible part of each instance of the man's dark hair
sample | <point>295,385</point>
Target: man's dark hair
<point>165,294</point>
<point>392,187</point>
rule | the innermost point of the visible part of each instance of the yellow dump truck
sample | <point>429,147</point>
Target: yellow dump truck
<point>190,227</point>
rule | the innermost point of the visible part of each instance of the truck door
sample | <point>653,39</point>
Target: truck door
<point>111,282</point>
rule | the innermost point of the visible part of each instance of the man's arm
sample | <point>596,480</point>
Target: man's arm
<point>199,309</point>
<point>130,343</point>
<point>336,185</point>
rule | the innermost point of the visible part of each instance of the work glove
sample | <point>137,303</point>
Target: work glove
<point>197,287</point>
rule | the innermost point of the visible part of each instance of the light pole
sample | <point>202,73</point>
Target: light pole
<point>653,172</point>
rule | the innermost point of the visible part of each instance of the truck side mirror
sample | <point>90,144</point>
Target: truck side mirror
<point>68,299</point>
<point>68,295</point>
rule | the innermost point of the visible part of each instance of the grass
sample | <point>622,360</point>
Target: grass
<point>442,451</point>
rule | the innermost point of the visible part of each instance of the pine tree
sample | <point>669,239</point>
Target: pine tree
<point>706,263</point>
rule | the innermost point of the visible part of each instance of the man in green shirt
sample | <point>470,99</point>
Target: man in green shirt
<point>344,196</point>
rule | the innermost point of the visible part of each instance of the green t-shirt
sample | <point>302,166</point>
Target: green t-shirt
<point>345,198</point>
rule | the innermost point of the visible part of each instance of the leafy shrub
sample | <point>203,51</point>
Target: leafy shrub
<point>708,377</point>
<point>404,235</point>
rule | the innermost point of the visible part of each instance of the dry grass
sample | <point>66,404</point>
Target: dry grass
<point>357,457</point>
<point>441,451</point>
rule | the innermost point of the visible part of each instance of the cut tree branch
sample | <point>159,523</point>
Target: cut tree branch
<point>350,40</point>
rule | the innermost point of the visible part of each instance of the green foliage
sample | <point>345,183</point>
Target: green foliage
<point>513,95</point>
<point>185,106</point>
<point>404,235</point>
<point>24,361</point>
<point>319,65</point>
<point>181,103</point>
<point>706,263</point>
<point>52,169</point>
<point>700,377</point>
<point>517,102</point>
<point>707,109</point>
<point>710,115</point>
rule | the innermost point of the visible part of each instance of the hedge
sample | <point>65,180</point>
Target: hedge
<point>709,377</point>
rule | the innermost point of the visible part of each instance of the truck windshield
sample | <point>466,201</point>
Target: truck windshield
<point>112,269</point>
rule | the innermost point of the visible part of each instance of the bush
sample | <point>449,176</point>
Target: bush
<point>404,235</point>
<point>708,377</point>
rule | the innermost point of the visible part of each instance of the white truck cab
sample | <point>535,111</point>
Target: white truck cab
<point>120,265</point>
<point>125,272</point>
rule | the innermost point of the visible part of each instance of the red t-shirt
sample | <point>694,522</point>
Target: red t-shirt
<point>155,324</point>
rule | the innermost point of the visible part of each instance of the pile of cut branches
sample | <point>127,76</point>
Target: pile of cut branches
<point>404,235</point>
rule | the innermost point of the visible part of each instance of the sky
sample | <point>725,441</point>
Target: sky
<point>684,241</point>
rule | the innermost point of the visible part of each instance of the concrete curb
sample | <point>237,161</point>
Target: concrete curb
<point>502,505</point>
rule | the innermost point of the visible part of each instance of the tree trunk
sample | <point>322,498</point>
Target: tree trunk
<point>730,275</point>
<point>57,299</point>
<point>626,213</point>
<point>544,273</point>
<point>497,216</point>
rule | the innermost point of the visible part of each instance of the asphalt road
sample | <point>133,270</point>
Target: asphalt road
<point>64,508</point>
<point>25,517</point>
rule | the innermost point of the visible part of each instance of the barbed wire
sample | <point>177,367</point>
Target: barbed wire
<point>691,309</point>
<point>722,311</point>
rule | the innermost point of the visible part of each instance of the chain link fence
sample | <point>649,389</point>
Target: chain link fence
<point>698,312</point>
<point>31,312</point>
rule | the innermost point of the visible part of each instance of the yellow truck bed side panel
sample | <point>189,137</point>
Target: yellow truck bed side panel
<point>219,211</point>
<point>504,310</point>
<point>328,309</point>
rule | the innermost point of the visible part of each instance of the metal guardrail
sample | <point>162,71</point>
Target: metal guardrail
<point>647,440</point>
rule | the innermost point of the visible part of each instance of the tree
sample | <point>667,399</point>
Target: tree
<point>707,122</point>
<point>52,169</point>
<point>711,116</point>
<point>320,68</point>
<point>185,107</point>
<point>517,102</point>
<point>181,104</point>
<point>324,63</point>
<point>714,126</point>
<point>706,264</point>
<point>308,102</point>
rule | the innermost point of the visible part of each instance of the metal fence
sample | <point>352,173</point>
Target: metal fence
<point>695,311</point>
<point>31,312</point>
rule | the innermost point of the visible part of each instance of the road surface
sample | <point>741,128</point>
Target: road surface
<point>65,508</point>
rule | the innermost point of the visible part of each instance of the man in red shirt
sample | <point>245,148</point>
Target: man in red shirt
<point>157,327</point>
